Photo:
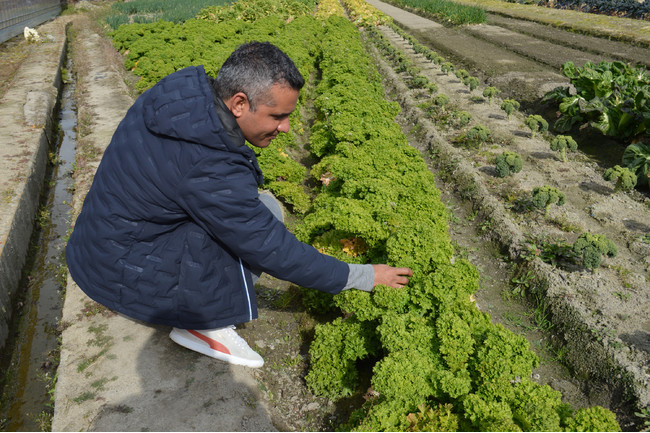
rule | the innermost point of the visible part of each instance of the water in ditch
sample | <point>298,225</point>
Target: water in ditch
<point>31,371</point>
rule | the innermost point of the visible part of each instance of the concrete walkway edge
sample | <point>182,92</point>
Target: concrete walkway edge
<point>27,116</point>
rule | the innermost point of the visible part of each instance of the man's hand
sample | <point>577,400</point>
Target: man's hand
<point>392,277</point>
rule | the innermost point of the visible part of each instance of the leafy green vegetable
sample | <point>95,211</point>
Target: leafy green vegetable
<point>508,163</point>
<point>490,92</point>
<point>462,118</point>
<point>593,418</point>
<point>336,348</point>
<point>637,158</point>
<point>510,106</point>
<point>613,97</point>
<point>562,144</point>
<point>624,177</point>
<point>253,10</point>
<point>461,74</point>
<point>536,123</point>
<point>471,82</point>
<point>434,344</point>
<point>440,419</point>
<point>449,11</point>
<point>545,196</point>
<point>447,67</point>
<point>150,11</point>
<point>592,247</point>
<point>475,136</point>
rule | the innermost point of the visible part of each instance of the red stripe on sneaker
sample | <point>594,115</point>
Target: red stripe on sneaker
<point>214,344</point>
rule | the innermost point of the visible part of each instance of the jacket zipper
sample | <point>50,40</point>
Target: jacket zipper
<point>248,296</point>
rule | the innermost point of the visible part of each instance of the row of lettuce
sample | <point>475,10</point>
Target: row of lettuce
<point>436,362</point>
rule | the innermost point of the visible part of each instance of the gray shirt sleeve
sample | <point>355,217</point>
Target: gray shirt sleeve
<point>361,277</point>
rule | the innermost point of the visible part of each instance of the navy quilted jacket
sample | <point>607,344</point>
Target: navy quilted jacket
<point>172,224</point>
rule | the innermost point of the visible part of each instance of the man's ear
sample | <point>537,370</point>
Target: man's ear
<point>238,104</point>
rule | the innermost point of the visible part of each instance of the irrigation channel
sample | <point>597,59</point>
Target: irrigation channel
<point>31,369</point>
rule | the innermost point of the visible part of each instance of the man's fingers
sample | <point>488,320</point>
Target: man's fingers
<point>392,277</point>
<point>402,281</point>
<point>401,276</point>
<point>405,271</point>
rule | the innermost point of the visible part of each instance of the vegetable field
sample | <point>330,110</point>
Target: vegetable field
<point>427,357</point>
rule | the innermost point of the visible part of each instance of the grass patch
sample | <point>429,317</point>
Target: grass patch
<point>84,397</point>
<point>447,11</point>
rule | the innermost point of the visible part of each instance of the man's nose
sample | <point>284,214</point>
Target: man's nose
<point>284,125</point>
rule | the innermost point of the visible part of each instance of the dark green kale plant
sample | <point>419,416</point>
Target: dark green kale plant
<point>508,163</point>
<point>545,196</point>
<point>637,158</point>
<point>624,177</point>
<point>509,106</point>
<point>562,144</point>
<point>592,247</point>
<point>536,123</point>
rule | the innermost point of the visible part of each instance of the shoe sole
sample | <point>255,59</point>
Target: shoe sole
<point>182,340</point>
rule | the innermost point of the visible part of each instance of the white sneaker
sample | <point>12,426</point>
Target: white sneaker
<point>223,344</point>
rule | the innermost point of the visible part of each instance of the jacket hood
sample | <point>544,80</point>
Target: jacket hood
<point>181,106</point>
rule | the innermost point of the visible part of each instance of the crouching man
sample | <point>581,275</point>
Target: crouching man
<point>173,230</point>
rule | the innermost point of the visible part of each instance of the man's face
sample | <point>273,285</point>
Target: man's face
<point>270,117</point>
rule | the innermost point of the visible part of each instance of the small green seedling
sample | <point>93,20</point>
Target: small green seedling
<point>536,123</point>
<point>510,106</point>
<point>477,135</point>
<point>461,74</point>
<point>644,414</point>
<point>562,143</point>
<point>490,92</point>
<point>624,177</point>
<point>418,82</point>
<point>441,100</point>
<point>471,82</point>
<point>545,196</point>
<point>462,117</point>
<point>447,67</point>
<point>508,163</point>
<point>592,247</point>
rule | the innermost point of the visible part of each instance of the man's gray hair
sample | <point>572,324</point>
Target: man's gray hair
<point>253,69</point>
